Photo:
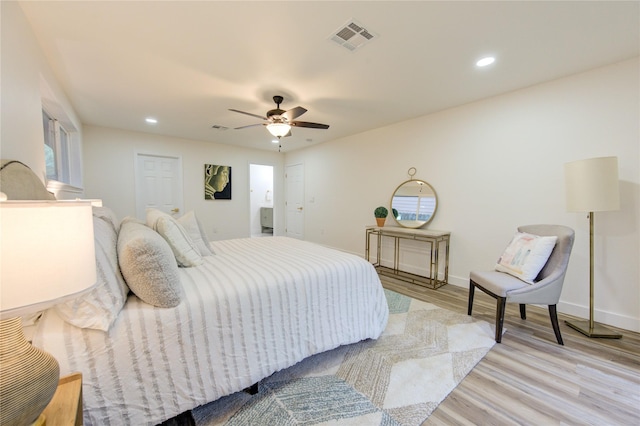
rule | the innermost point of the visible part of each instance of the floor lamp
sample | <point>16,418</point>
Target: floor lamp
<point>592,186</point>
<point>46,256</point>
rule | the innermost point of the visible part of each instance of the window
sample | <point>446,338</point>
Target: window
<point>56,149</point>
<point>62,144</point>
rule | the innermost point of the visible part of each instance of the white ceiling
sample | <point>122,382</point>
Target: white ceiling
<point>186,63</point>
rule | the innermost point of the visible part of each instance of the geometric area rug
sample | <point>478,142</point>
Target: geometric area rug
<point>397,379</point>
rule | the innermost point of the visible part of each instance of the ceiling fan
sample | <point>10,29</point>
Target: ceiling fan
<point>279,121</point>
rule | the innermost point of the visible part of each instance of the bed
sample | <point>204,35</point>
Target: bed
<point>250,308</point>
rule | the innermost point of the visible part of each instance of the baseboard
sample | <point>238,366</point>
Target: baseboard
<point>600,316</point>
<point>603,317</point>
<point>459,281</point>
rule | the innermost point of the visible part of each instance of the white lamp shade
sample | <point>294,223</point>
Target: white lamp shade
<point>278,129</point>
<point>592,185</point>
<point>47,254</point>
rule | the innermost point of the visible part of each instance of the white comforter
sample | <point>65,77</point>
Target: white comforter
<point>256,307</point>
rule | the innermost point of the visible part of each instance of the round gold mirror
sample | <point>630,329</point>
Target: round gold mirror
<point>414,203</point>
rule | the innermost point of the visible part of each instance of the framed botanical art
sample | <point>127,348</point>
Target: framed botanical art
<point>217,182</point>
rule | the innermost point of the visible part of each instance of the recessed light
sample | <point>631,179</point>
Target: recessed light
<point>486,61</point>
<point>151,120</point>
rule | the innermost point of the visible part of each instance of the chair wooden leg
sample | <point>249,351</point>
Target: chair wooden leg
<point>472,288</point>
<point>501,305</point>
<point>553,314</point>
<point>523,311</point>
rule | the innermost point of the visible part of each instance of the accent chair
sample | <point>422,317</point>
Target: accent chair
<point>546,288</point>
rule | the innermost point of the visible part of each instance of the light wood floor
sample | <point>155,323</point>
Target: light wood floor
<point>529,379</point>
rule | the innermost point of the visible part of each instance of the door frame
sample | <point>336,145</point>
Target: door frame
<point>302,198</point>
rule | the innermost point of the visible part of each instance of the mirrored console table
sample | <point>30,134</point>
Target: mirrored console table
<point>436,244</point>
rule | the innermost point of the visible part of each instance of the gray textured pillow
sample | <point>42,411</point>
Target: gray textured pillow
<point>148,265</point>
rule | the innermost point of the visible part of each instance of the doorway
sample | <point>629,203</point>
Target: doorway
<point>261,195</point>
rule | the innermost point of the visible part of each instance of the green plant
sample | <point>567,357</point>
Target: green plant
<point>395,214</point>
<point>381,212</point>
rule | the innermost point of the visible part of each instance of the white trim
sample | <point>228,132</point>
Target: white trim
<point>600,316</point>
<point>57,187</point>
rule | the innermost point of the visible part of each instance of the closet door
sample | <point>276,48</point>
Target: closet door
<point>158,184</point>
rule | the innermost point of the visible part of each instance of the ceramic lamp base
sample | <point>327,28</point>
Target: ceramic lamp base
<point>40,421</point>
<point>28,376</point>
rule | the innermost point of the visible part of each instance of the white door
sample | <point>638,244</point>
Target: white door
<point>294,182</point>
<point>158,184</point>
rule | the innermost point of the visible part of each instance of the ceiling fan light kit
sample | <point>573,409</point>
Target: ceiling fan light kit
<point>278,129</point>
<point>279,121</point>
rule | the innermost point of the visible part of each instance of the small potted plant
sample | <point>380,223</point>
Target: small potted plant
<point>381,215</point>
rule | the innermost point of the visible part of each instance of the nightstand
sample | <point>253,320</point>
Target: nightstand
<point>65,409</point>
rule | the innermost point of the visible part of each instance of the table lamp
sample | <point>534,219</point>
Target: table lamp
<point>592,186</point>
<point>46,256</point>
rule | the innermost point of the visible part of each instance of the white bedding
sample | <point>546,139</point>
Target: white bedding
<point>255,307</point>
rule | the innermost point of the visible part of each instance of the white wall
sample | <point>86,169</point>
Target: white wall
<point>26,79</point>
<point>497,164</point>
<point>110,175</point>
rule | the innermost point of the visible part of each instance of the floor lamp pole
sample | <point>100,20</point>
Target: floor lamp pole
<point>590,328</point>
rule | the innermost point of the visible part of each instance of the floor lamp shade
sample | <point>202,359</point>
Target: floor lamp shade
<point>592,185</point>
<point>47,256</point>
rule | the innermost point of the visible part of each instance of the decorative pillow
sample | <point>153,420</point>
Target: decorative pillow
<point>193,227</point>
<point>203,234</point>
<point>108,215</point>
<point>148,265</point>
<point>183,247</point>
<point>99,308</point>
<point>526,255</point>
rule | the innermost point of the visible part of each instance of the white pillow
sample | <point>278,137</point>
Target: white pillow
<point>105,213</point>
<point>99,308</point>
<point>148,265</point>
<point>193,227</point>
<point>183,247</point>
<point>526,255</point>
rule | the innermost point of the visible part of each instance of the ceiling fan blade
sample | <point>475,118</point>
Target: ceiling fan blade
<point>310,125</point>
<point>294,113</point>
<point>248,113</point>
<point>250,125</point>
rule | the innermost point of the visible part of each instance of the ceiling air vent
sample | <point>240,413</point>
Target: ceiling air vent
<point>352,35</point>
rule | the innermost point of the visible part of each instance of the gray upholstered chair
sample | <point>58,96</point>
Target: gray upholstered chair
<point>546,289</point>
